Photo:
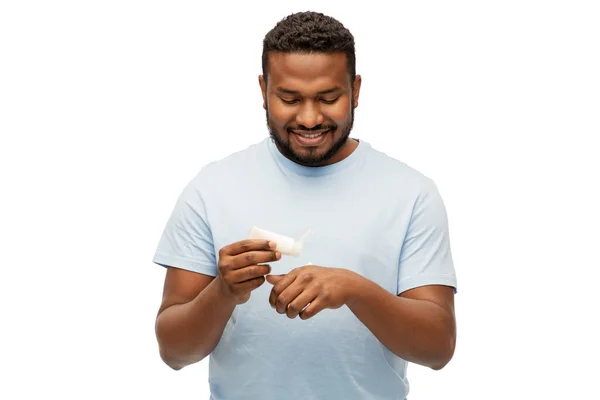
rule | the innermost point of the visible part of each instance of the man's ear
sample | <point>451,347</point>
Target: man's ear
<point>356,90</point>
<point>263,88</point>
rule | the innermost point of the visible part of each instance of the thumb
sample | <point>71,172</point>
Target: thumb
<point>273,279</point>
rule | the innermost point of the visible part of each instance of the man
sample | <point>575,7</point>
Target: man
<point>373,287</point>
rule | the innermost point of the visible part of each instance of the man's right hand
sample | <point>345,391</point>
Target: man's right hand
<point>242,269</point>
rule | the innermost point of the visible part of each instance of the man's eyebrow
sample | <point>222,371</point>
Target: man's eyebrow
<point>295,92</point>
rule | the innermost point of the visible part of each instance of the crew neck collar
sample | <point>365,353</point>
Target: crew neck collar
<point>302,170</point>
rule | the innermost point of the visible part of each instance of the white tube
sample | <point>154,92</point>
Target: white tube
<point>286,245</point>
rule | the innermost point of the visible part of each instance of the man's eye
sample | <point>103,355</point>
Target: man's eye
<point>329,101</point>
<point>290,101</point>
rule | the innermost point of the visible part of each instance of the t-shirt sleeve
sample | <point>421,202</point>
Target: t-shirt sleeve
<point>187,241</point>
<point>426,257</point>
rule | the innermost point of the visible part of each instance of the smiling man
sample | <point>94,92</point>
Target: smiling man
<point>373,288</point>
<point>310,104</point>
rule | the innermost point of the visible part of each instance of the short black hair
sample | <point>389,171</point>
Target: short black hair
<point>309,32</point>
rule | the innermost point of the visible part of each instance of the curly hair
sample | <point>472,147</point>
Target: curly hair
<point>309,32</point>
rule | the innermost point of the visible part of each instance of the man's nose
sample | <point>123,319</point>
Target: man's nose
<point>309,115</point>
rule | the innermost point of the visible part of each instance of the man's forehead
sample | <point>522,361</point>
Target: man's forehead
<point>313,69</point>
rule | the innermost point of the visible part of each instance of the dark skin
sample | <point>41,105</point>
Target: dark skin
<point>418,325</point>
<point>183,338</point>
<point>304,92</point>
<point>310,93</point>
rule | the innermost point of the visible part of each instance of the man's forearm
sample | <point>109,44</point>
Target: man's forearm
<point>189,332</point>
<point>418,331</point>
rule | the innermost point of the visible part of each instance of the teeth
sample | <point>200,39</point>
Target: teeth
<point>311,136</point>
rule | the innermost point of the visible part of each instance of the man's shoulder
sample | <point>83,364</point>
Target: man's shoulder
<point>234,164</point>
<point>238,159</point>
<point>397,170</point>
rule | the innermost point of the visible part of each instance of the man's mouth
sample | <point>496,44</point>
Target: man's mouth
<point>310,138</point>
<point>310,134</point>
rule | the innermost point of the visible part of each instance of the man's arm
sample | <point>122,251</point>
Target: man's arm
<point>196,307</point>
<point>418,325</point>
<point>191,318</point>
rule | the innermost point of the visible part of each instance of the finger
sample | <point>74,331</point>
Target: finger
<point>312,309</point>
<point>249,272</point>
<point>274,279</point>
<point>300,303</point>
<point>249,285</point>
<point>247,245</point>
<point>254,257</point>
<point>287,296</point>
<point>278,288</point>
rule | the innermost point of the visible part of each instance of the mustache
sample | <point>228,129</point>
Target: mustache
<point>313,129</point>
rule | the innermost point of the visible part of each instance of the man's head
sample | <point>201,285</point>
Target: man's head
<point>310,88</point>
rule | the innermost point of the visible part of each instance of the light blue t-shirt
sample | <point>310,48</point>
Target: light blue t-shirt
<point>368,213</point>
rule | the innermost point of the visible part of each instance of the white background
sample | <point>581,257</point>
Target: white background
<point>108,108</point>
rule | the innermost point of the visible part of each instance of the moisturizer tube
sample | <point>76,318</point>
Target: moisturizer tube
<point>286,245</point>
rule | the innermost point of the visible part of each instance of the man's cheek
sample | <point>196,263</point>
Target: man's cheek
<point>280,121</point>
<point>339,116</point>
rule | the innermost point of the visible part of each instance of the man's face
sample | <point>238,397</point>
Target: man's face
<point>310,103</point>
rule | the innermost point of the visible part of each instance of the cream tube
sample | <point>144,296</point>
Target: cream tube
<point>286,245</point>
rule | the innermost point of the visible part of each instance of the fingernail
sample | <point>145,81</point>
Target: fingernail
<point>273,245</point>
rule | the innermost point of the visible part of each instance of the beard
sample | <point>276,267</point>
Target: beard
<point>312,159</point>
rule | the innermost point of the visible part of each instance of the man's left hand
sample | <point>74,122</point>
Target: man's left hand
<point>307,290</point>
